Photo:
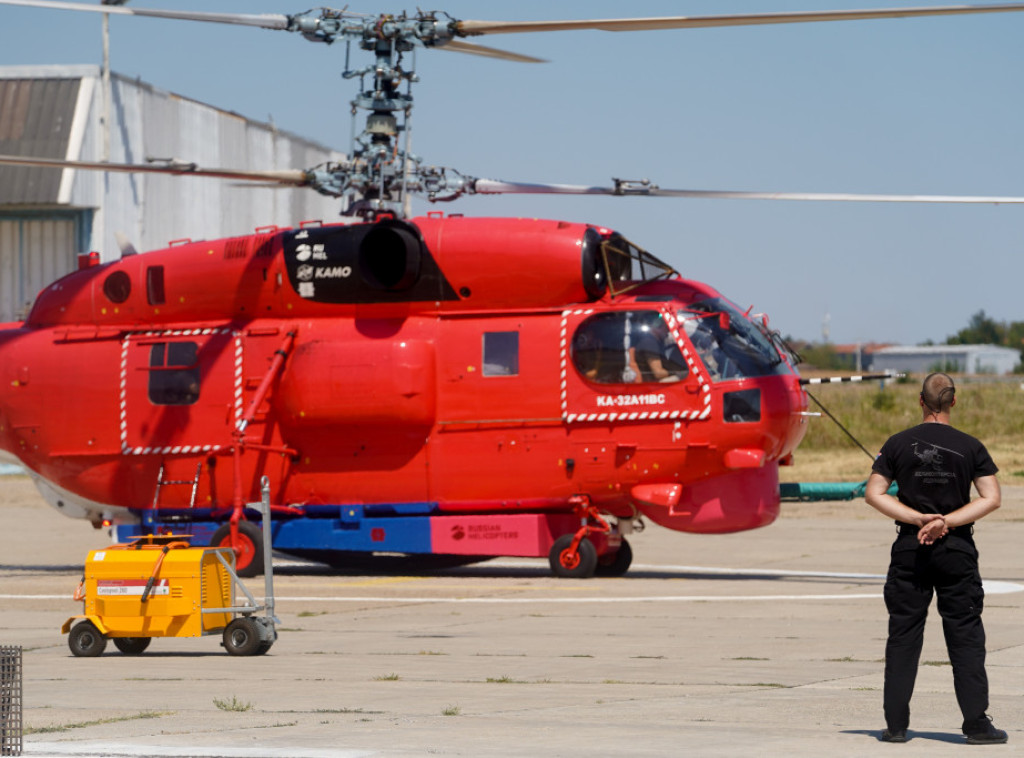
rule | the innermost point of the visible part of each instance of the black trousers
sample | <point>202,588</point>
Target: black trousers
<point>949,569</point>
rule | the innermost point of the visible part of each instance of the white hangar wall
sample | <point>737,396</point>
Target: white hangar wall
<point>46,220</point>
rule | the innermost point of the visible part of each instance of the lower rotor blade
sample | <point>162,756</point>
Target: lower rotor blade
<point>291,177</point>
<point>835,197</point>
<point>493,187</point>
<point>263,21</point>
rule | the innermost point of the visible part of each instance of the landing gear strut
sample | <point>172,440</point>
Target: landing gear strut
<point>574,556</point>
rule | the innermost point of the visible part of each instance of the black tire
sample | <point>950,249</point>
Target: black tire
<point>86,641</point>
<point>132,645</point>
<point>578,566</point>
<point>243,636</point>
<point>617,563</point>
<point>249,561</point>
<point>268,635</point>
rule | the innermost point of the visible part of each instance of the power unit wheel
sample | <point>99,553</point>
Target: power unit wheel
<point>268,635</point>
<point>243,636</point>
<point>249,557</point>
<point>86,641</point>
<point>617,563</point>
<point>132,645</point>
<point>580,565</point>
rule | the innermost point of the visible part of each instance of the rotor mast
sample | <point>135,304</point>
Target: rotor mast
<point>382,168</point>
<point>380,175</point>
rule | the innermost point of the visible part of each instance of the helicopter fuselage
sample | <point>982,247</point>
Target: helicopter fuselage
<point>441,366</point>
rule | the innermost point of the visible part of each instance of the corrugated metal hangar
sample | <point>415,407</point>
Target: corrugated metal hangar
<point>50,215</point>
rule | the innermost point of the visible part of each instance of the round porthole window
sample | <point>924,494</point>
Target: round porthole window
<point>117,287</point>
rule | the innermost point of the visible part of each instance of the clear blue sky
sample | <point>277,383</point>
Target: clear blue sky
<point>920,106</point>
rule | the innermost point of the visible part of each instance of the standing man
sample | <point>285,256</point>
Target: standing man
<point>934,466</point>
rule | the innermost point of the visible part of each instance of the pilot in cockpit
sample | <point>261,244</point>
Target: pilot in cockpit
<point>699,331</point>
<point>657,355</point>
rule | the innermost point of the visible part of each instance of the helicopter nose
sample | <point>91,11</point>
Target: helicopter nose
<point>730,502</point>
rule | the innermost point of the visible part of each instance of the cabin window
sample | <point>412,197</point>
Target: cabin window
<point>627,347</point>
<point>155,285</point>
<point>501,353</point>
<point>173,373</point>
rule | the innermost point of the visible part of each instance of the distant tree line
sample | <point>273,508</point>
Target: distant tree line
<point>984,330</point>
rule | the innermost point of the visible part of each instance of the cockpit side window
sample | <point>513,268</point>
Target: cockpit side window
<point>627,347</point>
<point>173,373</point>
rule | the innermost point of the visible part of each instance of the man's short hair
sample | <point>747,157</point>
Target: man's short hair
<point>938,392</point>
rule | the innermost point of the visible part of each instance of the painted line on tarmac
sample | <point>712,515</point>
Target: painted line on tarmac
<point>114,749</point>
<point>577,600</point>
<point>992,587</point>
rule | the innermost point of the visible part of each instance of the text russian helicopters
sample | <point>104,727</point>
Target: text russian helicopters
<point>402,390</point>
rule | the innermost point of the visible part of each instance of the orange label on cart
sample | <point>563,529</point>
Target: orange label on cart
<point>128,587</point>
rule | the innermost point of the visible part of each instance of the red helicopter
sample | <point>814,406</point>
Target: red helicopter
<point>430,386</point>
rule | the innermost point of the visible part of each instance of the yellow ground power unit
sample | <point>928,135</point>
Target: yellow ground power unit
<point>160,586</point>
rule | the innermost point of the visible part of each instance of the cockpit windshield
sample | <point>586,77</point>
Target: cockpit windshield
<point>728,343</point>
<point>638,346</point>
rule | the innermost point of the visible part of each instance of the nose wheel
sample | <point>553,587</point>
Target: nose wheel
<point>573,561</point>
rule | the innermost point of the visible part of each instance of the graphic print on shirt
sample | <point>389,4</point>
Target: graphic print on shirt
<point>931,458</point>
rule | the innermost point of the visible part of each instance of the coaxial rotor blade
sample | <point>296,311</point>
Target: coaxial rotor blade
<point>263,20</point>
<point>470,27</point>
<point>488,52</point>
<point>493,187</point>
<point>289,177</point>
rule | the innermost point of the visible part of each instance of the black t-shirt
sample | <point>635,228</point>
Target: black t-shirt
<point>934,466</point>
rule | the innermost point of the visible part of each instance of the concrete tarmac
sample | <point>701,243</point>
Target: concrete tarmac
<point>761,643</point>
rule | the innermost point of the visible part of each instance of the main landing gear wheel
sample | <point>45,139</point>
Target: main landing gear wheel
<point>131,645</point>
<point>86,641</point>
<point>573,565</point>
<point>249,556</point>
<point>617,563</point>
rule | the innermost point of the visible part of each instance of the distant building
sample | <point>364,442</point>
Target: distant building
<point>961,359</point>
<point>48,216</point>
<point>859,356</point>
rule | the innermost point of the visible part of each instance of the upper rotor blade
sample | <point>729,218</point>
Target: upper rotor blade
<point>264,20</point>
<point>288,177</point>
<point>470,27</point>
<point>491,186</point>
<point>488,52</point>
